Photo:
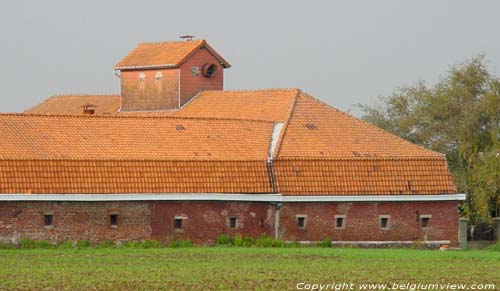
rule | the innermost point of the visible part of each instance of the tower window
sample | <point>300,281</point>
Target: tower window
<point>233,222</point>
<point>339,221</point>
<point>301,221</point>
<point>113,220</point>
<point>142,76</point>
<point>384,221</point>
<point>48,219</point>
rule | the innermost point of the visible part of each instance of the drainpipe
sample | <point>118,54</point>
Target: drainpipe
<point>278,206</point>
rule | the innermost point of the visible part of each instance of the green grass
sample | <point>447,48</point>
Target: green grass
<point>225,268</point>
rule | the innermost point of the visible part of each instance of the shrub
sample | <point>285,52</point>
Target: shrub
<point>65,245</point>
<point>106,245</point>
<point>242,241</point>
<point>326,243</point>
<point>130,244</point>
<point>150,244</point>
<point>268,242</point>
<point>82,244</point>
<point>223,240</point>
<point>495,247</point>
<point>35,244</point>
<point>180,244</point>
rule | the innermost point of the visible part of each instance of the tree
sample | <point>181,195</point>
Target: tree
<point>459,117</point>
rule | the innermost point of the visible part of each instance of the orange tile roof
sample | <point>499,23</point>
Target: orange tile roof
<point>73,105</point>
<point>86,137</point>
<point>318,130</point>
<point>132,176</point>
<point>267,105</point>
<point>164,54</point>
<point>321,150</point>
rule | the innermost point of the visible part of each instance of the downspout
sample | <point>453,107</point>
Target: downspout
<point>272,177</point>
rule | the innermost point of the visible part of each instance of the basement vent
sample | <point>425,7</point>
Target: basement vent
<point>301,221</point>
<point>48,219</point>
<point>233,222</point>
<point>339,221</point>
<point>425,220</point>
<point>113,220</point>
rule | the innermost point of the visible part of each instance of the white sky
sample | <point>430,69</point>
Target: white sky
<point>342,52</point>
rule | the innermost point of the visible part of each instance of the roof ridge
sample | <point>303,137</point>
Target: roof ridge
<point>255,90</point>
<point>369,124</point>
<point>373,158</point>
<point>285,124</point>
<point>130,117</point>
<point>171,41</point>
<point>85,95</point>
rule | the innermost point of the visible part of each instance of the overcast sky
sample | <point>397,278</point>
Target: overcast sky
<point>342,52</point>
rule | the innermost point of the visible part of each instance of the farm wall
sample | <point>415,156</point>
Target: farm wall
<point>203,221</point>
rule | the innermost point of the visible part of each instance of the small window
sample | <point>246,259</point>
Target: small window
<point>233,222</point>
<point>113,220</point>
<point>301,221</point>
<point>48,219</point>
<point>425,220</point>
<point>142,76</point>
<point>178,223</point>
<point>339,221</point>
<point>384,221</point>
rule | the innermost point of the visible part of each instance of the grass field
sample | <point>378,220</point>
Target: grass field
<point>220,268</point>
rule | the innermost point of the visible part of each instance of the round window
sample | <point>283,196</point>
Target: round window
<point>209,70</point>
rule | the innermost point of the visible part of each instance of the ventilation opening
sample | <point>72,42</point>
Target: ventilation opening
<point>339,222</point>
<point>233,222</point>
<point>208,70</point>
<point>384,221</point>
<point>178,222</point>
<point>301,221</point>
<point>113,220</point>
<point>425,221</point>
<point>310,126</point>
<point>48,219</point>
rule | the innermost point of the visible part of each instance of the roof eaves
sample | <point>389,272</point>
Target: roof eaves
<point>161,66</point>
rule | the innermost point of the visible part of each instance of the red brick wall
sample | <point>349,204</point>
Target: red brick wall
<point>75,221</point>
<point>362,221</point>
<point>207,220</point>
<point>151,93</point>
<point>192,84</point>
<point>204,221</point>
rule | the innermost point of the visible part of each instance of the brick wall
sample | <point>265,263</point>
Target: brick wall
<point>151,93</point>
<point>75,221</point>
<point>202,221</point>
<point>362,221</point>
<point>192,84</point>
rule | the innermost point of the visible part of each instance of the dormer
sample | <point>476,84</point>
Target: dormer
<point>166,75</point>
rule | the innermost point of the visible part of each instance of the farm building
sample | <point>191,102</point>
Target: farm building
<point>174,156</point>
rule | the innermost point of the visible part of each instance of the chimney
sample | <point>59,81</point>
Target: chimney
<point>89,109</point>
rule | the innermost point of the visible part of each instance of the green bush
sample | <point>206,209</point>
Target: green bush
<point>82,244</point>
<point>6,245</point>
<point>269,242</point>
<point>65,245</point>
<point>130,244</point>
<point>326,243</point>
<point>223,240</point>
<point>180,244</point>
<point>150,244</point>
<point>106,245</point>
<point>242,241</point>
<point>495,247</point>
<point>34,244</point>
<point>293,244</point>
